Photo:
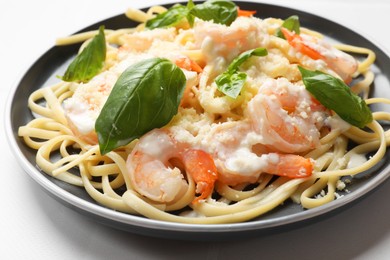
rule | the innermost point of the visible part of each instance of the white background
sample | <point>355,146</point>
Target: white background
<point>35,226</point>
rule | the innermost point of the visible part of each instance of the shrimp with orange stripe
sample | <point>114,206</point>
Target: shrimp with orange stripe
<point>343,64</point>
<point>158,165</point>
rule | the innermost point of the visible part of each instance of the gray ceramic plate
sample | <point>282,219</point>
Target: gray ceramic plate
<point>289,215</point>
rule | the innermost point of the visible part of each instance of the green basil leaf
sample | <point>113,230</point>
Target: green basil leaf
<point>292,24</point>
<point>190,17</point>
<point>236,63</point>
<point>334,94</point>
<point>232,81</point>
<point>169,18</point>
<point>146,96</point>
<point>89,62</point>
<point>219,11</point>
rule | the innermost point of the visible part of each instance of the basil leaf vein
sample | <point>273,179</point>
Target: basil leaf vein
<point>146,96</point>
<point>89,62</point>
<point>334,94</point>
<point>232,81</point>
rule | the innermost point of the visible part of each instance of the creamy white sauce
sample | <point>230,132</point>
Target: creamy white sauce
<point>157,145</point>
<point>335,122</point>
<point>246,162</point>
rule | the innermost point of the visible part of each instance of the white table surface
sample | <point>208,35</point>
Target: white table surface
<point>35,226</point>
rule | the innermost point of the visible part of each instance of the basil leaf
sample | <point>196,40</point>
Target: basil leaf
<point>236,63</point>
<point>89,62</point>
<point>232,81</point>
<point>292,24</point>
<point>219,11</point>
<point>334,94</point>
<point>169,18</point>
<point>190,17</point>
<point>146,96</point>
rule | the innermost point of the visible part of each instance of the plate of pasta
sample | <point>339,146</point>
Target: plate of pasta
<point>194,119</point>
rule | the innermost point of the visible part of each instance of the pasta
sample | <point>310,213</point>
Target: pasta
<point>220,159</point>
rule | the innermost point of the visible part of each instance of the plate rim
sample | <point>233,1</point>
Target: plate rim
<point>164,226</point>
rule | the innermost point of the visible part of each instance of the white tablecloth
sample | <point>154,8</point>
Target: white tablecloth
<point>35,226</point>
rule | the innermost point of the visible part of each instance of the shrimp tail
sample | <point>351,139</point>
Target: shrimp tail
<point>297,42</point>
<point>188,64</point>
<point>341,63</point>
<point>200,165</point>
<point>292,166</point>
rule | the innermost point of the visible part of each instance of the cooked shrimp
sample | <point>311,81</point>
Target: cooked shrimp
<point>340,62</point>
<point>288,165</point>
<point>229,41</point>
<point>230,145</point>
<point>153,174</point>
<point>200,165</point>
<point>149,167</point>
<point>188,64</point>
<point>240,156</point>
<point>287,117</point>
<point>83,108</point>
